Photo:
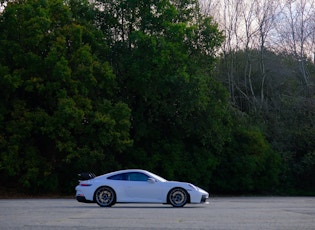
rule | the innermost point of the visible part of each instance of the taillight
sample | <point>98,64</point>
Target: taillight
<point>85,185</point>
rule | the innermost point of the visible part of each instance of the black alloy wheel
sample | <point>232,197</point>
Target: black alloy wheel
<point>178,197</point>
<point>105,197</point>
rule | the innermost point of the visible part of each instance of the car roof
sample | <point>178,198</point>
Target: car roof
<point>125,171</point>
<point>130,171</point>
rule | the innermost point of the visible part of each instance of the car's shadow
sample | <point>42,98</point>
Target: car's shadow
<point>131,206</point>
<point>155,207</point>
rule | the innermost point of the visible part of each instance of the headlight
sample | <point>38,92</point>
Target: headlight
<point>193,187</point>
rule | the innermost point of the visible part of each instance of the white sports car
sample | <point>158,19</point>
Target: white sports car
<point>136,186</point>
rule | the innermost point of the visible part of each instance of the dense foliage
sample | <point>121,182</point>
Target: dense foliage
<point>286,115</point>
<point>129,84</point>
<point>58,112</point>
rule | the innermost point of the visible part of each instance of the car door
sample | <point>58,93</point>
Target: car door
<point>140,189</point>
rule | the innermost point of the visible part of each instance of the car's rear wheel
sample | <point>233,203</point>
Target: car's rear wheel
<point>105,197</point>
<point>178,197</point>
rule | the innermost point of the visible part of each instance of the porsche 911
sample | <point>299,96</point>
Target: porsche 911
<point>136,186</point>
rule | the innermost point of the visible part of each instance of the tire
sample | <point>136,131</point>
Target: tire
<point>178,197</point>
<point>105,196</point>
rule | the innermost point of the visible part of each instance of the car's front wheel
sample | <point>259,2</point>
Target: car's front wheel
<point>105,197</point>
<point>178,197</point>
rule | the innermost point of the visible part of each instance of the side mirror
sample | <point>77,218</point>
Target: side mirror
<point>151,180</point>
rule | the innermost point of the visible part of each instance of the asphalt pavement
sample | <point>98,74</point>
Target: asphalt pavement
<point>220,213</point>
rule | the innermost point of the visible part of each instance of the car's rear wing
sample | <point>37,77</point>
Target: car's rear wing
<point>86,176</point>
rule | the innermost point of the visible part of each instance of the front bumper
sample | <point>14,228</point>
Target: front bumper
<point>198,196</point>
<point>204,198</point>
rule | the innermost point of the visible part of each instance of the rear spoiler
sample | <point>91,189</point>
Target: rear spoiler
<point>86,176</point>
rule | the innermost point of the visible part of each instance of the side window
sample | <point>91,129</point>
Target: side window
<point>137,177</point>
<point>121,176</point>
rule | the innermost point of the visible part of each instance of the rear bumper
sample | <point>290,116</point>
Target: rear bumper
<point>83,200</point>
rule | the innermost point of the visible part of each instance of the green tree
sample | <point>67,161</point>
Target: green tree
<point>286,116</point>
<point>58,110</point>
<point>163,53</point>
<point>248,164</point>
